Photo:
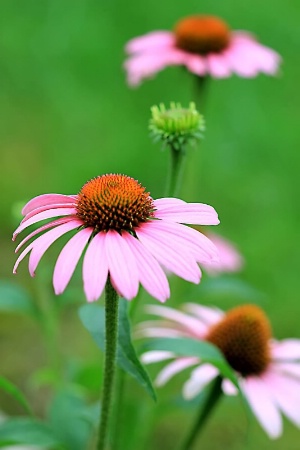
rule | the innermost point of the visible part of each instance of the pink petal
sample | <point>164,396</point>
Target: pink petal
<point>173,368</point>
<point>43,228</point>
<point>170,254</point>
<point>192,240</point>
<point>167,202</point>
<point>263,406</point>
<point>156,356</point>
<point>122,265</point>
<point>47,199</point>
<point>155,40</point>
<point>193,325</point>
<point>147,64</point>
<point>42,243</point>
<point>95,268</point>
<point>44,215</point>
<point>151,275</point>
<point>196,64</point>
<point>68,259</point>
<point>45,208</point>
<point>200,377</point>
<point>229,388</point>
<point>218,66</point>
<point>292,369</point>
<point>207,314</point>
<point>192,213</point>
<point>21,257</point>
<point>157,331</point>
<point>230,260</point>
<point>286,393</point>
<point>287,349</point>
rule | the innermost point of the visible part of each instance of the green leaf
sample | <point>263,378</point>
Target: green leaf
<point>12,390</point>
<point>73,420</point>
<point>14,298</point>
<point>93,318</point>
<point>27,431</point>
<point>224,286</point>
<point>207,352</point>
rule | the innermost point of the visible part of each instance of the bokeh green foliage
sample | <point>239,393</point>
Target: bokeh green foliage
<point>67,115</point>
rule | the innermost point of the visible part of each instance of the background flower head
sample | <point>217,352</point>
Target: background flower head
<point>126,234</point>
<point>205,46</point>
<point>268,371</point>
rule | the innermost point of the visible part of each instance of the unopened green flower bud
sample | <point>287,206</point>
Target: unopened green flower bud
<point>176,126</point>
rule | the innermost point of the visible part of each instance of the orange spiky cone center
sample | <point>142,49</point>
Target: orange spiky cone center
<point>202,34</point>
<point>243,337</point>
<point>114,202</point>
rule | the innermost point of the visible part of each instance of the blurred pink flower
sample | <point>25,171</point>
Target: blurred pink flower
<point>205,46</point>
<point>230,260</point>
<point>268,371</point>
<point>126,233</point>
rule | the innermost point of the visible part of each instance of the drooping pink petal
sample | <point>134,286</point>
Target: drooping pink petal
<point>218,66</point>
<point>155,40</point>
<point>191,213</point>
<point>240,58</point>
<point>286,393</point>
<point>159,332</point>
<point>45,208</point>
<point>151,275</point>
<point>230,259</point>
<point>194,326</point>
<point>68,259</point>
<point>154,356</point>
<point>173,368</point>
<point>192,240</point>
<point>147,64</point>
<point>207,314</point>
<point>199,378</point>
<point>44,215</point>
<point>21,257</point>
<point>287,349</point>
<point>43,228</point>
<point>172,256</point>
<point>42,243</point>
<point>95,268</point>
<point>196,64</point>
<point>122,265</point>
<point>290,368</point>
<point>263,406</point>
<point>229,388</point>
<point>47,199</point>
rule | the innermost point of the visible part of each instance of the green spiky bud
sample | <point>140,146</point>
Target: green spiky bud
<point>176,126</point>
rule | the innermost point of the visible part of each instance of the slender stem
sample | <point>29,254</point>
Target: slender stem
<point>200,91</point>
<point>177,159</point>
<point>211,400</point>
<point>111,335</point>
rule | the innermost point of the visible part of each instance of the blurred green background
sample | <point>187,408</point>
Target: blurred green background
<point>67,115</point>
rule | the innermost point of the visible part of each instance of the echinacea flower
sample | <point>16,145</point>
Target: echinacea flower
<point>205,46</point>
<point>268,370</point>
<point>127,235</point>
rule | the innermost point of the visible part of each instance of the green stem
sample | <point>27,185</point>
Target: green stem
<point>211,400</point>
<point>200,91</point>
<point>111,336</point>
<point>177,159</point>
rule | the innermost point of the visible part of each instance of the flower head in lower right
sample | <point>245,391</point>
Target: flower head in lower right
<point>268,370</point>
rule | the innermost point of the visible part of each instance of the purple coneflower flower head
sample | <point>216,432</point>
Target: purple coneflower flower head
<point>268,370</point>
<point>122,232</point>
<point>205,46</point>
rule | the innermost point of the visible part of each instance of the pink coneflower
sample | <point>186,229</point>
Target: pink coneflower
<point>126,233</point>
<point>268,370</point>
<point>205,46</point>
<point>230,259</point>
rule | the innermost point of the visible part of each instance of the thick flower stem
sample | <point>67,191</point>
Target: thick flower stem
<point>206,408</point>
<point>200,91</point>
<point>177,159</point>
<point>111,335</point>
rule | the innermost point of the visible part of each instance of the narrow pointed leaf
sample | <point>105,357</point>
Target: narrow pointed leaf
<point>14,392</point>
